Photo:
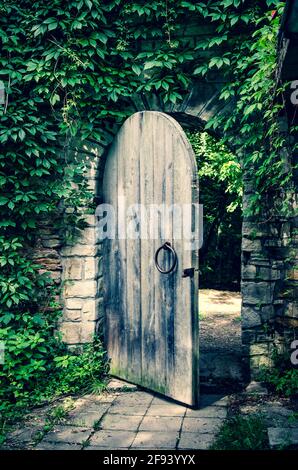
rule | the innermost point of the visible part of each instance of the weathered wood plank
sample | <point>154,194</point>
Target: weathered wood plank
<point>149,340</point>
<point>111,272</point>
<point>183,285</point>
<point>121,183</point>
<point>131,164</point>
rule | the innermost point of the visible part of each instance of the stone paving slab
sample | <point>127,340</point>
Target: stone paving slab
<point>279,437</point>
<point>112,439</point>
<point>162,423</point>
<point>127,419</point>
<point>207,412</point>
<point>168,410</point>
<point>24,435</point>
<point>120,422</point>
<point>158,400</point>
<point>155,440</point>
<point>57,446</point>
<point>189,440</point>
<point>120,409</point>
<point>201,425</point>
<point>86,419</point>
<point>68,435</point>
<point>134,398</point>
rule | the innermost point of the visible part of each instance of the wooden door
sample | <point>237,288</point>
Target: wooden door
<point>151,318</point>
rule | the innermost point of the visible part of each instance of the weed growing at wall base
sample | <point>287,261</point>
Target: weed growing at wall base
<point>242,433</point>
<point>36,370</point>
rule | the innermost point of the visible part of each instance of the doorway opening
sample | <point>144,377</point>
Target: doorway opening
<point>220,186</point>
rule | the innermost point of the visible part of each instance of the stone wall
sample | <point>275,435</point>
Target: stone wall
<point>269,285</point>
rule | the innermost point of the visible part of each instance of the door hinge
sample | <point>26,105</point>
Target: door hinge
<point>189,272</point>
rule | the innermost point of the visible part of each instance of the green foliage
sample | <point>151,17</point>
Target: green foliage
<point>217,162</point>
<point>242,433</point>
<point>256,98</point>
<point>220,178</point>
<point>81,372</point>
<point>283,377</point>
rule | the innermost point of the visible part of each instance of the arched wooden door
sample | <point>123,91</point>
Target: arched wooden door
<point>151,318</point>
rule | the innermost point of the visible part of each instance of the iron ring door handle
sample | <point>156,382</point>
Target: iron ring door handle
<point>168,247</point>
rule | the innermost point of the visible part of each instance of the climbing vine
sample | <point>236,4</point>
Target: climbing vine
<point>70,71</point>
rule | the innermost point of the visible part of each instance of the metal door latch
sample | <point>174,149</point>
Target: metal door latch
<point>189,272</point>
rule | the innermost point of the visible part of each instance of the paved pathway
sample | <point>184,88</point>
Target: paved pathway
<point>126,419</point>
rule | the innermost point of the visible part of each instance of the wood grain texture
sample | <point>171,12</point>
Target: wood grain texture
<point>151,319</point>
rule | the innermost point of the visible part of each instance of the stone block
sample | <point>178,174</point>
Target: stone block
<point>259,293</point>
<point>259,361</point>
<point>81,289</point>
<point>72,315</point>
<point>249,271</point>
<point>90,268</point>
<point>267,313</point>
<point>259,349</point>
<point>73,268</point>
<point>89,312</point>
<point>251,245</point>
<point>250,317</point>
<point>87,236</point>
<point>292,274</point>
<point>51,243</point>
<point>79,250</point>
<point>267,274</point>
<point>87,332</point>
<point>251,229</point>
<point>74,304</point>
<point>291,310</point>
<point>70,332</point>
